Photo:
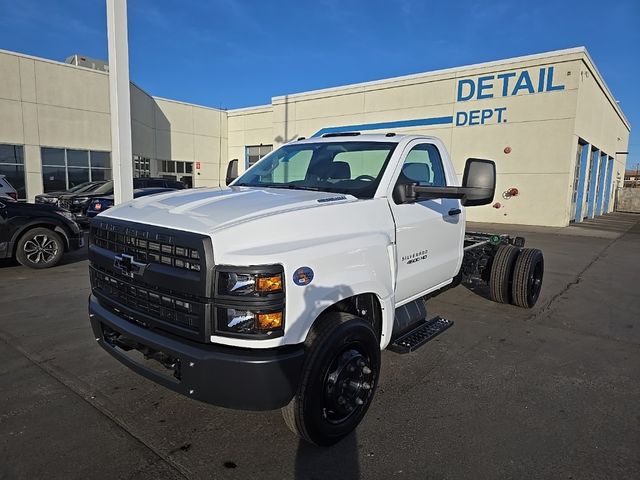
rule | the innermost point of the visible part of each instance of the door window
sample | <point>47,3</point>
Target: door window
<point>423,166</point>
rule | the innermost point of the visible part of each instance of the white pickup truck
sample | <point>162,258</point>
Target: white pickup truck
<point>281,290</point>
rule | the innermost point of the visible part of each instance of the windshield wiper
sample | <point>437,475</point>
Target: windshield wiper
<point>289,186</point>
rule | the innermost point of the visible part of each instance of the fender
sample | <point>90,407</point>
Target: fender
<point>46,222</point>
<point>348,265</point>
<point>346,246</point>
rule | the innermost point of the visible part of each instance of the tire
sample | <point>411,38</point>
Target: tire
<point>39,248</point>
<point>527,278</point>
<point>501,273</point>
<point>338,380</point>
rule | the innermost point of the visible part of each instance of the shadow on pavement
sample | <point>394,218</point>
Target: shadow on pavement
<point>339,462</point>
<point>478,287</point>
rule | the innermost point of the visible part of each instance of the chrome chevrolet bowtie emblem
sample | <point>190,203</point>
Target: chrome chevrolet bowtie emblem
<point>128,266</point>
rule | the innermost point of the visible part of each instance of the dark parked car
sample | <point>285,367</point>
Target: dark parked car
<point>7,189</point>
<point>54,197</point>
<point>78,203</point>
<point>100,204</point>
<point>36,235</point>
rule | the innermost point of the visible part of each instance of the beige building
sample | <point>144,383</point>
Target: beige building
<point>549,121</point>
<point>55,129</point>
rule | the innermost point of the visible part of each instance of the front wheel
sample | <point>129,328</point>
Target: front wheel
<point>338,380</point>
<point>40,248</point>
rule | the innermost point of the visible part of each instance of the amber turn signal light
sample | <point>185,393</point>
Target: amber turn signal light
<point>269,321</point>
<point>269,284</point>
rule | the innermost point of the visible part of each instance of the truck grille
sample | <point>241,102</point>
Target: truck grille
<point>175,310</point>
<point>171,287</point>
<point>146,247</point>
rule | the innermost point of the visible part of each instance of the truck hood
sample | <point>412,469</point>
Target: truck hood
<point>212,209</point>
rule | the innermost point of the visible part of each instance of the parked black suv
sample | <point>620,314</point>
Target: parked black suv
<point>36,235</point>
<point>78,203</point>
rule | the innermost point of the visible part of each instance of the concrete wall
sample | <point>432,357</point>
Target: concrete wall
<point>601,123</point>
<point>164,129</point>
<point>539,169</point>
<point>249,127</point>
<point>532,107</point>
<point>628,200</point>
<point>525,113</point>
<point>192,133</point>
<point>51,104</point>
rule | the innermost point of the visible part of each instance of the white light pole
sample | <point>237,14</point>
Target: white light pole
<point>121,153</point>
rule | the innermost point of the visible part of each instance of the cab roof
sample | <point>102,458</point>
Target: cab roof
<point>360,137</point>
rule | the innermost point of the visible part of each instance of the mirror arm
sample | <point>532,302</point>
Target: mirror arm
<point>415,191</point>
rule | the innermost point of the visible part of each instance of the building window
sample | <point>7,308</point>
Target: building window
<point>64,168</point>
<point>255,153</point>
<point>176,170</point>
<point>12,166</point>
<point>141,166</point>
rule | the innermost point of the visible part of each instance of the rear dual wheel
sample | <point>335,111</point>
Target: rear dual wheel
<point>502,273</point>
<point>338,381</point>
<point>527,278</point>
<point>516,276</point>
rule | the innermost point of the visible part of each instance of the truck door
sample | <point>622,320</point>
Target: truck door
<point>429,233</point>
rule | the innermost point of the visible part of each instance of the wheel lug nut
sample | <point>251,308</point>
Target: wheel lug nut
<point>366,386</point>
<point>359,401</point>
<point>341,400</point>
<point>366,370</point>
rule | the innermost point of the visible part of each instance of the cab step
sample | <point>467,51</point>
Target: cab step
<point>418,336</point>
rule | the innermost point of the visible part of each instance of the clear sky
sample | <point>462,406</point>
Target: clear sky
<point>236,53</point>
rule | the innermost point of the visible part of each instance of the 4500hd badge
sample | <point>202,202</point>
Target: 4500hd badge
<point>415,257</point>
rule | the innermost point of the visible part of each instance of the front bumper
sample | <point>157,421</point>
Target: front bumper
<point>244,379</point>
<point>82,218</point>
<point>77,241</point>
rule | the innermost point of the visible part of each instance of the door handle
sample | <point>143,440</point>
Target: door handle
<point>454,211</point>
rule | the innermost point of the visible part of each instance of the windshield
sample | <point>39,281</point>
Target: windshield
<point>90,187</point>
<point>353,168</point>
<point>105,188</point>
<point>79,188</point>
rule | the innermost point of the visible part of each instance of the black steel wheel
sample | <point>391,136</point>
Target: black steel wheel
<point>502,273</point>
<point>338,381</point>
<point>39,248</point>
<point>527,277</point>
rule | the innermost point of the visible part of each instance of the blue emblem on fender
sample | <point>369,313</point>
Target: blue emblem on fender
<point>303,276</point>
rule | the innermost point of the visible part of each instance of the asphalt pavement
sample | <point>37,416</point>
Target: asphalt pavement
<point>551,392</point>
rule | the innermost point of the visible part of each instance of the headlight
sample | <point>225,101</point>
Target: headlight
<point>249,284</point>
<point>241,321</point>
<point>80,200</point>
<point>250,301</point>
<point>67,215</point>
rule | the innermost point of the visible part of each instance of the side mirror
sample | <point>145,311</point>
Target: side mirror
<point>479,182</point>
<point>478,186</point>
<point>232,171</point>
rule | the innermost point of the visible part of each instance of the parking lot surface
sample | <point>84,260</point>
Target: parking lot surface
<point>551,392</point>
